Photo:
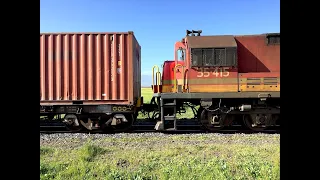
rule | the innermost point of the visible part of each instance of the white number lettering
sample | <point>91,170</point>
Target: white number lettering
<point>200,73</point>
<point>206,72</point>
<point>217,72</point>
<point>225,72</point>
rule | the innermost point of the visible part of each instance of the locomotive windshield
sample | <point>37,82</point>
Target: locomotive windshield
<point>181,54</point>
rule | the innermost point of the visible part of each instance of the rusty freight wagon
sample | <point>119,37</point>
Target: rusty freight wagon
<point>90,73</point>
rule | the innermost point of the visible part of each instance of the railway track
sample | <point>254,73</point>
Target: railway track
<point>142,126</point>
<point>172,132</point>
<point>52,130</point>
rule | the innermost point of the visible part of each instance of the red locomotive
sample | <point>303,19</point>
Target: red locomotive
<point>232,78</point>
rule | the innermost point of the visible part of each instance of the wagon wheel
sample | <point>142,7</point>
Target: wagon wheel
<point>72,123</point>
<point>117,124</point>
<point>125,126</point>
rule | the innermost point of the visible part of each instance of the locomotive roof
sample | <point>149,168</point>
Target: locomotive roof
<point>218,40</point>
<point>211,41</point>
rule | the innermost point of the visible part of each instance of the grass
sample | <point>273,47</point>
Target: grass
<point>176,157</point>
<point>147,94</point>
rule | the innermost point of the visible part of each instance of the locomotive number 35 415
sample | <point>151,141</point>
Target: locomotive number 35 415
<point>216,72</point>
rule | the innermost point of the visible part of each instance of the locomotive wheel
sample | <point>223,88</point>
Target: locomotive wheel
<point>276,118</point>
<point>211,122</point>
<point>255,122</point>
<point>72,123</point>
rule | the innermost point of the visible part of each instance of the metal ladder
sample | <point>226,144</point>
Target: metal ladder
<point>165,123</point>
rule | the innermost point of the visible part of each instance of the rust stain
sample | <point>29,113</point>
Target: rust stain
<point>98,94</point>
<point>82,67</point>
<point>114,58</point>
<point>90,68</point>
<point>106,71</point>
<point>74,68</point>
<point>122,67</point>
<point>65,59</point>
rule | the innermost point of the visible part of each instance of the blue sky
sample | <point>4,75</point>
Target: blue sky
<point>159,24</point>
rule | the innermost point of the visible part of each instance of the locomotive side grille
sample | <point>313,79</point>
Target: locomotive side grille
<point>219,56</point>
<point>273,39</point>
<point>253,81</point>
<point>264,81</point>
<point>208,57</point>
<point>270,81</point>
<point>196,56</point>
<point>231,56</point>
<point>214,56</point>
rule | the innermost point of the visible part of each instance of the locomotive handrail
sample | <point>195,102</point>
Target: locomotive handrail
<point>174,75</point>
<point>185,82</point>
<point>158,77</point>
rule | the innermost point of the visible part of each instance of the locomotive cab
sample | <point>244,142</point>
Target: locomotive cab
<point>212,64</point>
<point>202,64</point>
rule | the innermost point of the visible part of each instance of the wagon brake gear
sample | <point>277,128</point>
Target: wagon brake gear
<point>91,124</point>
<point>118,119</point>
<point>121,122</point>
<point>72,123</point>
<point>87,125</point>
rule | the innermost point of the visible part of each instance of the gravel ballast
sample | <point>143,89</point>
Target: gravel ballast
<point>71,140</point>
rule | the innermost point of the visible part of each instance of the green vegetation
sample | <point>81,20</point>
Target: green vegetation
<point>177,157</point>
<point>147,94</point>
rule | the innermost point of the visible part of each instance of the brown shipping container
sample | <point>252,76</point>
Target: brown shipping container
<point>96,68</point>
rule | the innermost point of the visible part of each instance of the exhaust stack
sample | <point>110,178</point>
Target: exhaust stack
<point>192,32</point>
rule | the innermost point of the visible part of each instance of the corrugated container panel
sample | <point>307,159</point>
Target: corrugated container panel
<point>96,68</point>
